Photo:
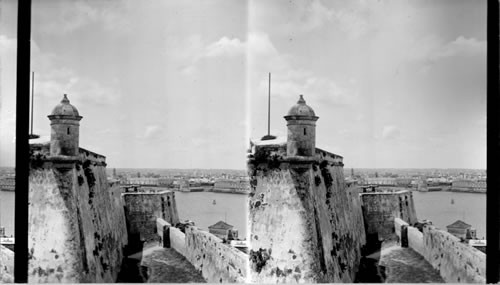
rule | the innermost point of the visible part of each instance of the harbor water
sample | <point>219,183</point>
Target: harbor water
<point>444,208</point>
<point>200,208</point>
<point>7,212</point>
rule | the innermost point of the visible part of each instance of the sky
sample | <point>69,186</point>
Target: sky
<point>184,84</point>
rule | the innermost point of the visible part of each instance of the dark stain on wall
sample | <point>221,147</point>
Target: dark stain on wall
<point>319,242</point>
<point>85,263</point>
<point>327,176</point>
<point>88,173</point>
<point>259,258</point>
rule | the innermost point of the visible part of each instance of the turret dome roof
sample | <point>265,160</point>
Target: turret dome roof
<point>301,109</point>
<point>65,109</point>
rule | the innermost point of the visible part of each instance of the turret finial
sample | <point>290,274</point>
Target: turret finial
<point>65,99</point>
<point>301,100</point>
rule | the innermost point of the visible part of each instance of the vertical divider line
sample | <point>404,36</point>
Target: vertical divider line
<point>22,142</point>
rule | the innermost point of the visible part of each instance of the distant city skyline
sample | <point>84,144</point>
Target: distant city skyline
<point>183,84</point>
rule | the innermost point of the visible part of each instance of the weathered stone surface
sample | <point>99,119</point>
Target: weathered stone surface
<point>305,225</point>
<point>217,262</point>
<point>143,208</point>
<point>456,262</point>
<point>177,240</point>
<point>6,265</point>
<point>77,227</point>
<point>168,266</point>
<point>380,209</point>
<point>403,265</point>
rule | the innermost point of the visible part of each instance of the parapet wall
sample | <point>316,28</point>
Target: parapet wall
<point>176,238</point>
<point>305,225</point>
<point>456,262</point>
<point>143,208</point>
<point>77,227</point>
<point>218,262</point>
<point>6,265</point>
<point>380,209</point>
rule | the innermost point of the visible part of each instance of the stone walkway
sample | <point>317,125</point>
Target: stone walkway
<point>165,265</point>
<point>403,265</point>
<point>155,264</point>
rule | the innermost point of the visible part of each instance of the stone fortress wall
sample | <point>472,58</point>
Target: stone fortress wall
<point>77,228</point>
<point>76,221</point>
<point>143,208</point>
<point>6,265</point>
<point>456,262</point>
<point>380,209</point>
<point>217,261</point>
<point>305,225</point>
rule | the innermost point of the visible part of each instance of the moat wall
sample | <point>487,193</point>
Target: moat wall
<point>218,262</point>
<point>77,228</point>
<point>380,209</point>
<point>143,208</point>
<point>305,225</point>
<point>456,262</point>
<point>6,265</point>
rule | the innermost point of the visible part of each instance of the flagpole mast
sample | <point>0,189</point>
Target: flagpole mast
<point>31,135</point>
<point>32,98</point>
<point>269,107</point>
<point>269,136</point>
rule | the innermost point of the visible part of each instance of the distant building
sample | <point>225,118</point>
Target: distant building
<point>386,181</point>
<point>232,185</point>
<point>461,230</point>
<point>143,181</point>
<point>223,231</point>
<point>8,183</point>
<point>469,186</point>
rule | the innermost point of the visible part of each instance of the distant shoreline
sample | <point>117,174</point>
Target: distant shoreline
<point>467,191</point>
<point>451,190</point>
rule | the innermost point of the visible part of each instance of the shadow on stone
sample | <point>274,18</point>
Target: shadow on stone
<point>369,269</point>
<point>132,271</point>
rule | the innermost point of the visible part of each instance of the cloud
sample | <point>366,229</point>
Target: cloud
<point>390,132</point>
<point>225,47</point>
<point>288,80</point>
<point>461,46</point>
<point>315,15</point>
<point>351,23</point>
<point>62,19</point>
<point>7,44</point>
<point>187,52</point>
<point>52,80</point>
<point>152,132</point>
